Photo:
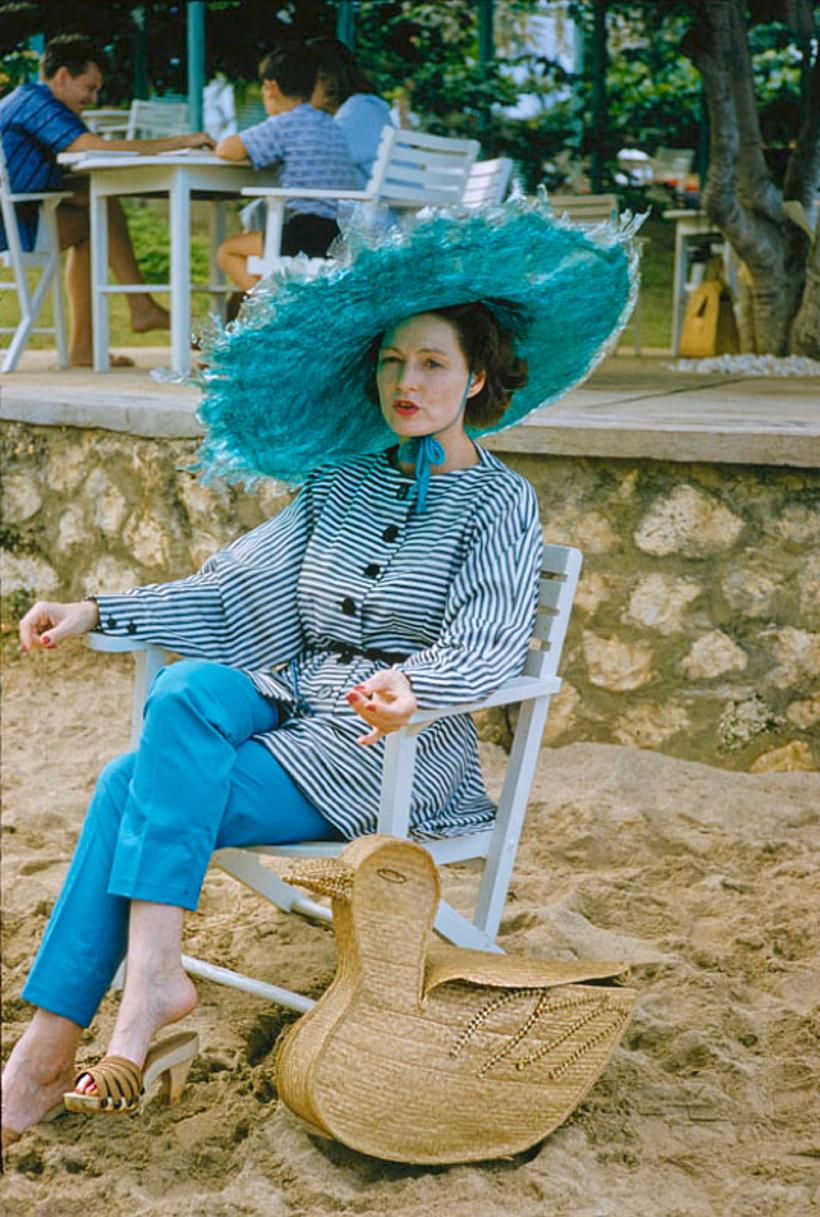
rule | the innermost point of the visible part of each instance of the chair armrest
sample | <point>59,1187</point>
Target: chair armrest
<point>40,196</point>
<point>518,689</point>
<point>114,645</point>
<point>291,192</point>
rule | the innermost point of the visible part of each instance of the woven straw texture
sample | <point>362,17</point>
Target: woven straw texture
<point>284,386</point>
<point>429,1054</point>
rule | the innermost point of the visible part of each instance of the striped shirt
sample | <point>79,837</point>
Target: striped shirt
<point>34,127</point>
<point>313,152</point>
<point>351,563</point>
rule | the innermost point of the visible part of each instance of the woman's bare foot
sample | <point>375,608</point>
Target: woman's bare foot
<point>39,1071</point>
<point>147,1005</point>
<point>149,316</point>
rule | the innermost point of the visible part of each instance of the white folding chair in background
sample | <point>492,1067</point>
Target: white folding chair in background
<point>488,182</point>
<point>152,118</point>
<point>45,258</point>
<point>591,209</point>
<point>156,119</point>
<point>411,170</point>
<point>496,845</point>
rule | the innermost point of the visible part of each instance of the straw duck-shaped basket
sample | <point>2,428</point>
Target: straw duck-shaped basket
<point>423,1052</point>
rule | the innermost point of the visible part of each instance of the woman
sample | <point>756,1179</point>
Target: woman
<point>400,577</point>
<point>343,90</point>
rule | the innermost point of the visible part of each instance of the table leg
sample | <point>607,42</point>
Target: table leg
<point>180,218</point>
<point>215,272</point>
<point>98,221</point>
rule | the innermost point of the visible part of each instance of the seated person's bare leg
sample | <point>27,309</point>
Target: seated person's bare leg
<point>233,255</point>
<point>157,989</point>
<point>72,228</point>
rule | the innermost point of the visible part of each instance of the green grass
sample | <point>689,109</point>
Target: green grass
<point>148,224</point>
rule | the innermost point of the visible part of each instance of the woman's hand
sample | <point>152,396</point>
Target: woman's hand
<point>385,702</point>
<point>47,623</point>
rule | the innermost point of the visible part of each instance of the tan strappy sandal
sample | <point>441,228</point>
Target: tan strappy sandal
<point>122,1085</point>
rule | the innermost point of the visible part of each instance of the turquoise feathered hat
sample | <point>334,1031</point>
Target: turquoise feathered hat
<point>284,387</point>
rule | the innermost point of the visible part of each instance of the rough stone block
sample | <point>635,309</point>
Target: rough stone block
<point>687,522</point>
<point>713,654</point>
<point>658,602</point>
<point>789,758</point>
<point>615,664</point>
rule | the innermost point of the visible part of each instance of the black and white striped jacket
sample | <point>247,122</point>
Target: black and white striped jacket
<point>448,595</point>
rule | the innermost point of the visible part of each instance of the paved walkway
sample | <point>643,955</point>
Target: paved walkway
<point>628,408</point>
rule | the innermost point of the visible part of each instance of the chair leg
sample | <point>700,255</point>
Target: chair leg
<point>60,332</point>
<point>21,336</point>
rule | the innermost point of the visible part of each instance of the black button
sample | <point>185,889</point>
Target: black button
<point>403,491</point>
<point>132,627</point>
<point>372,569</point>
<point>390,533</point>
<point>111,623</point>
<point>349,607</point>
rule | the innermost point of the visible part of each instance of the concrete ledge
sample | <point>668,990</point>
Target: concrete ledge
<point>629,408</point>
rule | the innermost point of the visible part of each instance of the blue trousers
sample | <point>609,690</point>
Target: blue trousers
<point>197,783</point>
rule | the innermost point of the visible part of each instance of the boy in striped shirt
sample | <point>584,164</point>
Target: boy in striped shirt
<point>313,154</point>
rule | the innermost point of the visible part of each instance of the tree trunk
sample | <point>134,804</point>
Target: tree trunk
<point>805,336</point>
<point>740,197</point>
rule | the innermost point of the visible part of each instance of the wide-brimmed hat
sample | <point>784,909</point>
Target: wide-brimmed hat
<point>284,389</point>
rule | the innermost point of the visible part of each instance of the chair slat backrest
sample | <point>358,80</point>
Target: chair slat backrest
<point>427,170</point>
<point>560,568</point>
<point>14,253</point>
<point>156,119</point>
<point>584,208</point>
<point>488,182</point>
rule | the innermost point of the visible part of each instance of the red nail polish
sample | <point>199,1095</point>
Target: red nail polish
<point>46,641</point>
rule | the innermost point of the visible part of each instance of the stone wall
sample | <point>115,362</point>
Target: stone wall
<point>695,629</point>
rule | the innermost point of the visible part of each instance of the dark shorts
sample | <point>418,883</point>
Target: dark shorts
<point>308,234</point>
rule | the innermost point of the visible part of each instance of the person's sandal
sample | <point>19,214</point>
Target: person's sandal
<point>122,1085</point>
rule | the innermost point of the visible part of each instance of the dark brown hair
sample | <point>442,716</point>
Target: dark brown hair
<point>487,347</point>
<point>72,51</point>
<point>294,68</point>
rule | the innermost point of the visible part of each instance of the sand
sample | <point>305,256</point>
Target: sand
<point>702,878</point>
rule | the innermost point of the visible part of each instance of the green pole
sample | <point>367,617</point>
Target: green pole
<point>598,65</point>
<point>196,62</point>
<point>346,24</point>
<point>140,17</point>
<point>486,55</point>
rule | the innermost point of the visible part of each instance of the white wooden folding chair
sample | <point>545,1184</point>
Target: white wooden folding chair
<point>45,258</point>
<point>156,119</point>
<point>411,170</point>
<point>496,845</point>
<point>591,209</point>
<point>488,182</point>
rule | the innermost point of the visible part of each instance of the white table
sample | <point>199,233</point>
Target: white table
<point>179,175</point>
<point>692,228</point>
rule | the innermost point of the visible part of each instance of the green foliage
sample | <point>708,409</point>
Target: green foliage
<point>16,68</point>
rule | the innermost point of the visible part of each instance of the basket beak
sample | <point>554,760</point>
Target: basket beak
<point>324,876</point>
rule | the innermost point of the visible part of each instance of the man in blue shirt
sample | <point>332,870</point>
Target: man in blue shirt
<point>38,121</point>
<point>311,150</point>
